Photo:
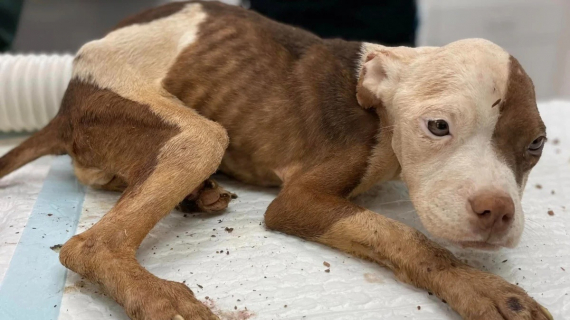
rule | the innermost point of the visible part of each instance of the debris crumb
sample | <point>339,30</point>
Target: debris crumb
<point>555,141</point>
<point>419,308</point>
<point>285,306</point>
<point>328,270</point>
<point>229,230</point>
<point>326,264</point>
<point>550,212</point>
<point>562,269</point>
<point>199,286</point>
<point>505,260</point>
<point>538,186</point>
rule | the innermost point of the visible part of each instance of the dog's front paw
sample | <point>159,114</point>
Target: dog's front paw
<point>208,197</point>
<point>165,300</point>
<point>483,296</point>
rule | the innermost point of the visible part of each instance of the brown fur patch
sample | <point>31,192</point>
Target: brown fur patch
<point>519,123</point>
<point>304,104</point>
<point>99,122</point>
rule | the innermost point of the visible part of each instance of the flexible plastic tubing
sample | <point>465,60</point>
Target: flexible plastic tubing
<point>31,89</point>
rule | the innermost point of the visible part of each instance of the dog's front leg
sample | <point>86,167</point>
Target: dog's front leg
<point>332,220</point>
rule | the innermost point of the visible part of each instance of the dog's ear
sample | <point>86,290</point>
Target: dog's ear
<point>380,73</point>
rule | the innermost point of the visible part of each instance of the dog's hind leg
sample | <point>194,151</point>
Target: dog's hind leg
<point>157,181</point>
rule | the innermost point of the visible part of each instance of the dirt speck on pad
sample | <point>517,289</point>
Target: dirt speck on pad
<point>372,278</point>
<point>555,141</point>
<point>78,286</point>
<point>538,186</point>
<point>199,286</point>
<point>228,315</point>
<point>550,212</point>
<point>56,248</point>
<point>326,264</point>
<point>69,289</point>
<point>328,271</point>
<point>229,230</point>
<point>419,308</point>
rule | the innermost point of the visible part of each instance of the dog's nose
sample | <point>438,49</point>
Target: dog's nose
<point>494,210</point>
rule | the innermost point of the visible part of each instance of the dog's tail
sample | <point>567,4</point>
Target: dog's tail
<point>46,141</point>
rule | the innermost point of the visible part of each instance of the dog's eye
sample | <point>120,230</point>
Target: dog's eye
<point>439,128</point>
<point>535,148</point>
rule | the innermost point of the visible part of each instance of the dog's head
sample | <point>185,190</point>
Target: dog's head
<point>466,131</point>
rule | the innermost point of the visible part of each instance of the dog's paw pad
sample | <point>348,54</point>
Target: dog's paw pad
<point>208,197</point>
<point>213,200</point>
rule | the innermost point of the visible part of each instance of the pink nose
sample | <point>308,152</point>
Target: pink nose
<point>494,210</point>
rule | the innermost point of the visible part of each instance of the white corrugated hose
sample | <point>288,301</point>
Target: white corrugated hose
<point>31,89</point>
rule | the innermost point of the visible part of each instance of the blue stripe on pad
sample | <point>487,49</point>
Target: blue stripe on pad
<point>33,285</point>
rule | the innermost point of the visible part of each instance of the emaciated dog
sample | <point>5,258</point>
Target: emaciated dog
<point>176,93</point>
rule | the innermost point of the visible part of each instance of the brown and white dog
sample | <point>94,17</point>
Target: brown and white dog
<point>178,92</point>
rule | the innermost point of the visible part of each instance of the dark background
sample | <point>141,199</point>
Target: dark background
<point>64,25</point>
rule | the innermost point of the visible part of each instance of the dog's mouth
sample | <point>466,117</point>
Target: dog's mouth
<point>481,245</point>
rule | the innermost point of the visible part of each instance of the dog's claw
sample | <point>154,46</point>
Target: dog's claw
<point>547,313</point>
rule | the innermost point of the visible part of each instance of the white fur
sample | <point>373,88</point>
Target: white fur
<point>132,61</point>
